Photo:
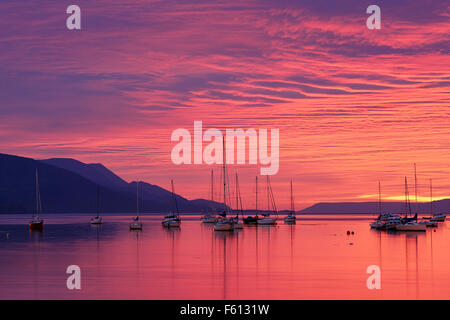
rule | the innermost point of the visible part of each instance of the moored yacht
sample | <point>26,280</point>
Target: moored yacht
<point>136,224</point>
<point>97,219</point>
<point>172,220</point>
<point>253,219</point>
<point>210,217</point>
<point>291,218</point>
<point>411,226</point>
<point>237,223</point>
<point>267,219</point>
<point>223,223</point>
<point>439,217</point>
<point>37,223</point>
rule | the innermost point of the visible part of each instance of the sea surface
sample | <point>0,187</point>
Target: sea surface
<point>314,259</point>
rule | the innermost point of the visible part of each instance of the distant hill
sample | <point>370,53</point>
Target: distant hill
<point>70,186</point>
<point>95,172</point>
<point>372,207</point>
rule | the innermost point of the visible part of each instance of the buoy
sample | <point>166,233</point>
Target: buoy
<point>348,232</point>
<point>353,232</point>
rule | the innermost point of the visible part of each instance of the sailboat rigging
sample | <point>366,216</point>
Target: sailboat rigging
<point>271,206</point>
<point>254,219</point>
<point>97,219</point>
<point>223,223</point>
<point>136,224</point>
<point>172,220</point>
<point>210,217</point>
<point>237,223</point>
<point>37,223</point>
<point>435,217</point>
<point>291,218</point>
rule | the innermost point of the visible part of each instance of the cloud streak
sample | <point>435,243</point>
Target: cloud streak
<point>354,106</point>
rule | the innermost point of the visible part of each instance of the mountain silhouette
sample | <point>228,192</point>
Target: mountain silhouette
<point>70,186</point>
<point>372,207</point>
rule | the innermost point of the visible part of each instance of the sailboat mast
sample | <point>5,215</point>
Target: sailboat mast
<point>268,194</point>
<point>224,178</point>
<point>431,196</point>
<point>38,196</point>
<point>292,200</point>
<point>212,185</point>
<point>137,198</point>
<point>256,187</point>
<point>406,198</point>
<point>379,197</point>
<point>408,203</point>
<point>237,198</point>
<point>415,182</point>
<point>174,198</point>
<point>98,201</point>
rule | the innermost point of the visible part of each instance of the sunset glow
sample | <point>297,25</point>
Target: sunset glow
<point>353,106</point>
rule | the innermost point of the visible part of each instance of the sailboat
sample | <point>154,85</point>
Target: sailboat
<point>408,224</point>
<point>37,223</point>
<point>223,223</point>
<point>238,224</point>
<point>97,219</point>
<point>136,224</point>
<point>267,219</point>
<point>291,218</point>
<point>210,217</point>
<point>428,223</point>
<point>172,220</point>
<point>438,217</point>
<point>253,219</point>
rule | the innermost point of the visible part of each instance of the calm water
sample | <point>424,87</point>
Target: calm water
<point>314,259</point>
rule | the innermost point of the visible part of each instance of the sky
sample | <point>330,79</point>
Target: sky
<point>353,106</point>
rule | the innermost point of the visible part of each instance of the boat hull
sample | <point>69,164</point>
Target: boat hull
<point>96,220</point>
<point>430,224</point>
<point>267,221</point>
<point>411,227</point>
<point>290,220</point>
<point>438,219</point>
<point>224,226</point>
<point>136,226</point>
<point>251,220</point>
<point>171,224</point>
<point>238,225</point>
<point>36,225</point>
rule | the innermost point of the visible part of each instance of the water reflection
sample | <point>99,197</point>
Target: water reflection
<point>307,260</point>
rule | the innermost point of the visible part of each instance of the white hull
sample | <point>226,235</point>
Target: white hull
<point>136,225</point>
<point>411,227</point>
<point>224,226</point>
<point>290,219</point>
<point>377,225</point>
<point>96,220</point>
<point>171,223</point>
<point>238,225</point>
<point>438,218</point>
<point>430,224</point>
<point>267,221</point>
